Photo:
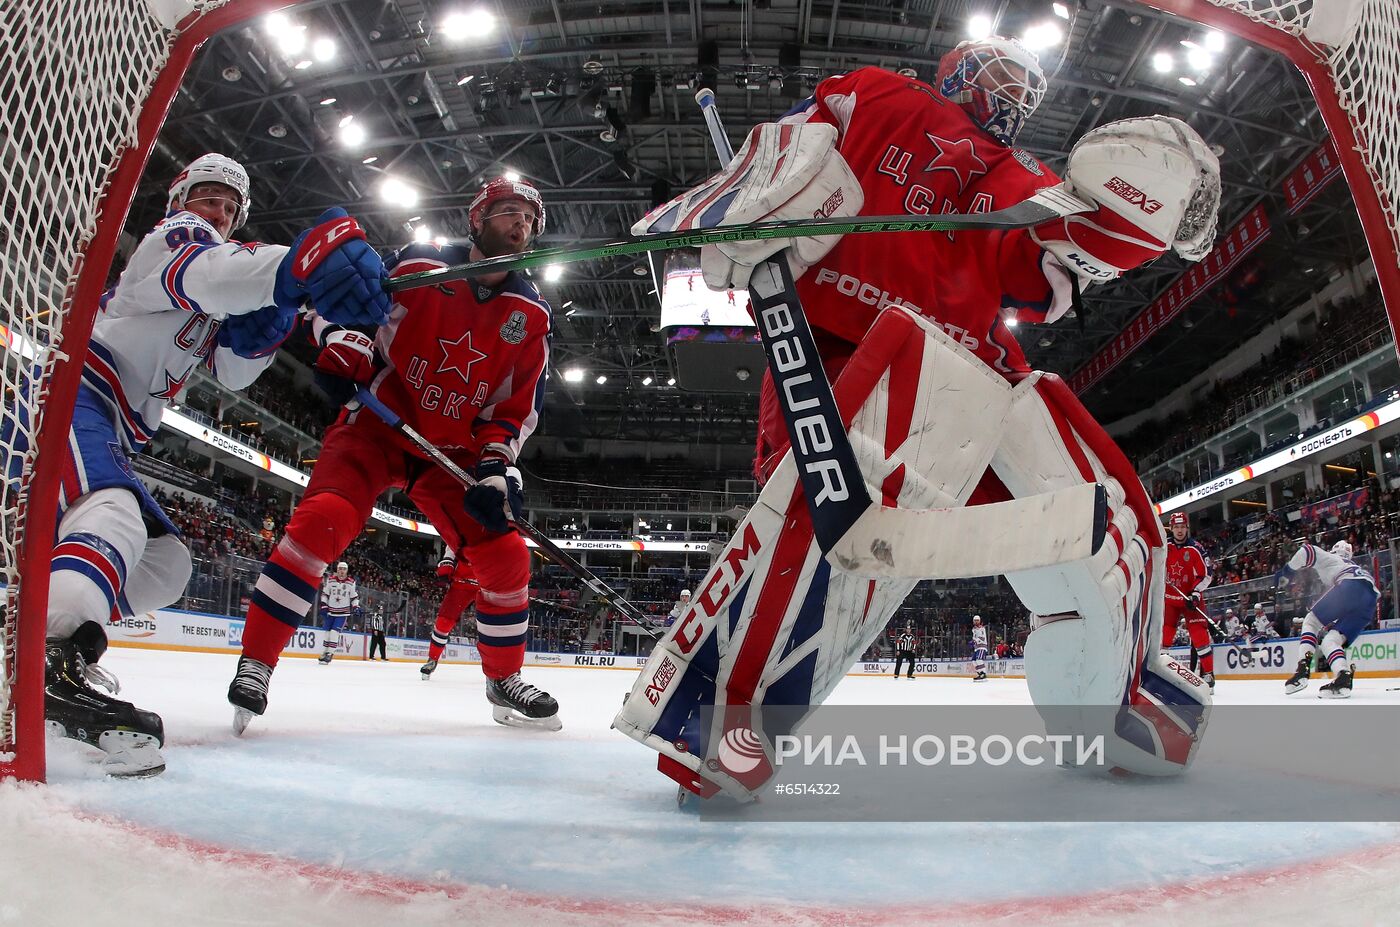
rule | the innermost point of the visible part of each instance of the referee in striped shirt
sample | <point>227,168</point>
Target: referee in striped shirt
<point>904,650</point>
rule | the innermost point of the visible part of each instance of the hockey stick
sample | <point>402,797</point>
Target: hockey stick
<point>826,463</point>
<point>580,572</point>
<point>1049,203</point>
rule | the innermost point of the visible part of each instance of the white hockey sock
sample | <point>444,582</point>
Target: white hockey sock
<point>99,538</point>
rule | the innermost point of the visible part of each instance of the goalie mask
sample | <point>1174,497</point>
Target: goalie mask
<point>502,189</point>
<point>998,82</point>
<point>212,168</point>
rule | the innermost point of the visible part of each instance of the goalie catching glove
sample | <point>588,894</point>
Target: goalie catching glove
<point>784,171</point>
<point>1158,188</point>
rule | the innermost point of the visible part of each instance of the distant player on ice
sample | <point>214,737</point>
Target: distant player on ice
<point>943,408</point>
<point>340,599</point>
<point>1335,619</point>
<point>455,570</point>
<point>190,296</point>
<point>1188,574</point>
<point>979,649</point>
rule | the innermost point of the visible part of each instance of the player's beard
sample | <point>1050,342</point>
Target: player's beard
<point>494,243</point>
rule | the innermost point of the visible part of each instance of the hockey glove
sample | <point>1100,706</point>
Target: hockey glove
<point>446,566</point>
<point>497,498</point>
<point>333,267</point>
<point>346,363</point>
<point>257,333</point>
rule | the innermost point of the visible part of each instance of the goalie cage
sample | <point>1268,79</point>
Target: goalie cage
<point>85,86</point>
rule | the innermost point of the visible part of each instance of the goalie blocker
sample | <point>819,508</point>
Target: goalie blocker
<point>775,623</point>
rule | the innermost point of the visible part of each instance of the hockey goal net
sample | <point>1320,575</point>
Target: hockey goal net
<point>86,84</point>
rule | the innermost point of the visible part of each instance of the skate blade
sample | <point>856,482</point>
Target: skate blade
<point>1294,690</point>
<point>242,717</point>
<point>130,755</point>
<point>1323,693</point>
<point>510,718</point>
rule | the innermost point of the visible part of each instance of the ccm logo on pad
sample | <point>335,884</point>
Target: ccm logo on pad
<point>1132,194</point>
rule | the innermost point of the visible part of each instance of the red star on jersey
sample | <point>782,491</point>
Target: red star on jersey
<point>172,387</point>
<point>249,246</point>
<point>459,356</point>
<point>958,156</point>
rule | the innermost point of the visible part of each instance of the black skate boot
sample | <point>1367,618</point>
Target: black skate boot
<point>325,658</point>
<point>516,703</point>
<point>248,692</point>
<point>1339,687</point>
<point>426,670</point>
<point>1209,679</point>
<point>981,675</point>
<point>130,737</point>
<point>1299,680</point>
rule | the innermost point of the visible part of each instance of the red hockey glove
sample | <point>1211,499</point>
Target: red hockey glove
<point>346,363</point>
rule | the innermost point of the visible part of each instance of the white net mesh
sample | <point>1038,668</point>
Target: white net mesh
<point>73,80</point>
<point>1360,42</point>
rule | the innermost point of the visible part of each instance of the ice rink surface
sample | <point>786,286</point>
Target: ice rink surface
<point>366,796</point>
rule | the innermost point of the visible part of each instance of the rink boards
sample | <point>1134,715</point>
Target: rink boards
<point>1375,653</point>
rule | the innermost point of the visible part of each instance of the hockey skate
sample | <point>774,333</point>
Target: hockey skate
<point>130,737</point>
<point>326,658</point>
<point>1299,680</point>
<point>426,670</point>
<point>1339,687</point>
<point>248,692</point>
<point>516,703</point>
<point>981,675</point>
<point>1209,679</point>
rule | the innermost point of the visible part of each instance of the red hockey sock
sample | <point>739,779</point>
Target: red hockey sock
<point>503,603</point>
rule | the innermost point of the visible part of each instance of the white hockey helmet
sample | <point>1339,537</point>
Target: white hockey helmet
<point>212,168</point>
<point>685,593</point>
<point>342,567</point>
<point>1258,606</point>
<point>1342,549</point>
<point>998,82</point>
<point>976,619</point>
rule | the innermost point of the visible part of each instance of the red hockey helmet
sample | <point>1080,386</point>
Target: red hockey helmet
<point>1178,518</point>
<point>502,189</point>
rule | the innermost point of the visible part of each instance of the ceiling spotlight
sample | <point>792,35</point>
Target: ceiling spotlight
<point>573,375</point>
<point>1162,62</point>
<point>347,119</point>
<point>370,160</point>
<point>292,40</point>
<point>303,64</point>
<point>1061,10</point>
<point>1198,58</point>
<point>475,23</point>
<point>671,381</point>
<point>1187,81</point>
<point>232,74</point>
<point>602,378</point>
<point>398,193</point>
<point>552,273</point>
<point>323,49</point>
<point>640,270</point>
<point>276,24</point>
<point>1215,41</point>
<point>512,176</point>
<point>646,381</point>
<point>422,234</point>
<point>352,134</point>
<point>328,101</point>
<point>979,26</point>
<point>1042,35</point>
<point>462,82</point>
<point>277,130</point>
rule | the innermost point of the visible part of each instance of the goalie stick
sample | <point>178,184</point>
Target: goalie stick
<point>556,553</point>
<point>1049,203</point>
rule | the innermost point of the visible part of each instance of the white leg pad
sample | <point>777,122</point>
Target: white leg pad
<point>160,576</point>
<point>1093,664</point>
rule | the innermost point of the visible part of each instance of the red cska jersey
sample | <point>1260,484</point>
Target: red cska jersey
<point>916,152</point>
<point>465,363</point>
<point>1188,569</point>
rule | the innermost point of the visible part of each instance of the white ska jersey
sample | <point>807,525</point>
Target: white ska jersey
<point>1232,626</point>
<point>979,638</point>
<point>340,596</point>
<point>1262,625</point>
<point>1330,568</point>
<point>162,318</point>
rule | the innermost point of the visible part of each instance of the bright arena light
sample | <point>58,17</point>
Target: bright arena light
<point>398,193</point>
<point>1215,42</point>
<point>602,378</point>
<point>979,26</point>
<point>1198,58</point>
<point>573,375</point>
<point>552,273</point>
<point>646,381</point>
<point>475,23</point>
<point>352,134</point>
<point>1162,62</point>
<point>323,49</point>
<point>292,40</point>
<point>1042,35</point>
<point>422,234</point>
<point>1061,10</point>
<point>512,176</point>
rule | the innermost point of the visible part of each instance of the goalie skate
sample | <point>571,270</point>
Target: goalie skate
<point>130,737</point>
<point>516,703</point>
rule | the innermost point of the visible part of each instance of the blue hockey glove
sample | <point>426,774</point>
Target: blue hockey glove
<point>332,266</point>
<point>497,498</point>
<point>257,333</point>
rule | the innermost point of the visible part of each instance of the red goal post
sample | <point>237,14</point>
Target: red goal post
<point>85,86</point>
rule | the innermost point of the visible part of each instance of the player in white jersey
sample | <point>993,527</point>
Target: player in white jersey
<point>1234,630</point>
<point>979,648</point>
<point>189,297</point>
<point>1262,626</point>
<point>1336,618</point>
<point>340,599</point>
